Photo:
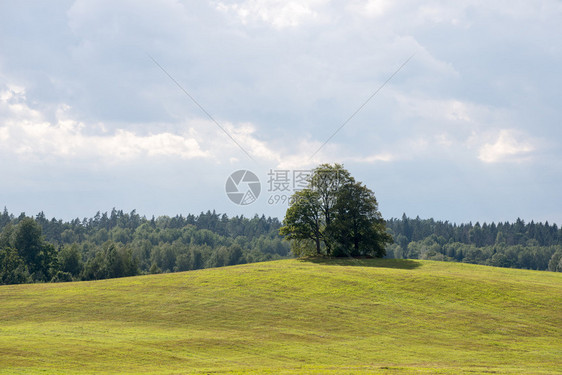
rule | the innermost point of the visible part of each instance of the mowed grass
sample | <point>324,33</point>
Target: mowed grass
<point>290,317</point>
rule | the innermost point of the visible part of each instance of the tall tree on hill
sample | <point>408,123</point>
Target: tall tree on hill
<point>337,215</point>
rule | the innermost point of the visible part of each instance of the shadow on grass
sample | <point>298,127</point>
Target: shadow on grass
<point>405,264</point>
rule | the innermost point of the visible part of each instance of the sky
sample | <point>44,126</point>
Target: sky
<point>449,110</point>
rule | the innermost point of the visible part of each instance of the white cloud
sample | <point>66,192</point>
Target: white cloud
<point>439,109</point>
<point>4,134</point>
<point>26,132</point>
<point>277,13</point>
<point>381,157</point>
<point>453,13</point>
<point>66,139</point>
<point>510,145</point>
<point>370,8</point>
<point>245,136</point>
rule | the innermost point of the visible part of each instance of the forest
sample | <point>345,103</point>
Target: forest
<point>117,244</point>
<point>535,246</point>
<point>125,244</point>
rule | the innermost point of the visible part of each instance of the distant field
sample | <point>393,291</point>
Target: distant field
<point>290,317</point>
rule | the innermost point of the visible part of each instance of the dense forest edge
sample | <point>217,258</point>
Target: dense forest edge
<point>118,244</point>
<point>534,246</point>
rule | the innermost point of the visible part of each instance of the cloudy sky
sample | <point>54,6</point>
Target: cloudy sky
<point>469,129</point>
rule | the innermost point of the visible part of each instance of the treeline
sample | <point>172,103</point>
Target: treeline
<point>536,246</point>
<point>117,244</point>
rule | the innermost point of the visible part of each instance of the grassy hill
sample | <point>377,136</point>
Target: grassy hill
<point>290,317</point>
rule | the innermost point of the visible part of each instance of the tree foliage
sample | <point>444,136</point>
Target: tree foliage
<point>358,226</point>
<point>536,246</point>
<point>118,244</point>
<point>13,269</point>
<point>303,224</point>
<point>335,216</point>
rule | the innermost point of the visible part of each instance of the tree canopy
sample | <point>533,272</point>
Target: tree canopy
<point>536,246</point>
<point>120,244</point>
<point>335,216</point>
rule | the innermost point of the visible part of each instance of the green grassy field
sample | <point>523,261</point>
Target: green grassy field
<point>290,317</point>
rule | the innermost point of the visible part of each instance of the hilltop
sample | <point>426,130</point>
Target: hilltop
<point>291,316</point>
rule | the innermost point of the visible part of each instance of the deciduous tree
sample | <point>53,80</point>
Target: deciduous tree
<point>336,216</point>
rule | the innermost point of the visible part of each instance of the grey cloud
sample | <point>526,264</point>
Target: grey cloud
<point>293,74</point>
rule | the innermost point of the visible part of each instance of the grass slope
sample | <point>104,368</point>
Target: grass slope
<point>289,317</point>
